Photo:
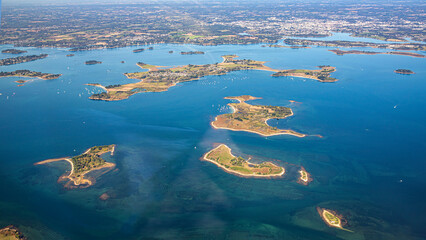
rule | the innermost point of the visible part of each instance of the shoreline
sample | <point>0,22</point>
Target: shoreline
<point>96,85</point>
<point>308,177</point>
<point>124,91</point>
<point>283,131</point>
<point>235,172</point>
<point>80,180</point>
<point>323,211</point>
<point>68,159</point>
<point>357,52</point>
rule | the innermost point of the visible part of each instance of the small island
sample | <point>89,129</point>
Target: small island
<point>28,73</point>
<point>322,75</point>
<point>170,52</point>
<point>21,81</point>
<point>404,71</point>
<point>253,118</point>
<point>284,46</point>
<point>332,219</point>
<point>160,80</point>
<point>13,51</point>
<point>93,62</point>
<point>341,53</point>
<point>83,164</point>
<point>139,50</point>
<point>21,59</point>
<point>305,177</point>
<point>223,158</point>
<point>11,233</point>
<point>191,52</point>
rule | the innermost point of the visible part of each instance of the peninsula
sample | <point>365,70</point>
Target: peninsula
<point>253,118</point>
<point>322,75</point>
<point>404,71</point>
<point>13,51</point>
<point>305,177</point>
<point>160,80</point>
<point>332,219</point>
<point>223,158</point>
<point>83,164</point>
<point>21,59</point>
<point>342,52</point>
<point>28,73</point>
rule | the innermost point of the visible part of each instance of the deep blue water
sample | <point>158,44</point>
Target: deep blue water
<point>370,165</point>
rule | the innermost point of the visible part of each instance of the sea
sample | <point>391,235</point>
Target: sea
<point>369,167</point>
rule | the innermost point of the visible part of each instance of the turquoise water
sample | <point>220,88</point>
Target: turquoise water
<point>369,166</point>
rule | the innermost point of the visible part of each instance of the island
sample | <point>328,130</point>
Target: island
<point>404,71</point>
<point>11,233</point>
<point>139,50</point>
<point>253,118</point>
<point>170,52</point>
<point>13,51</point>
<point>28,73</point>
<point>322,75</point>
<point>191,52</point>
<point>305,177</point>
<point>284,46</point>
<point>160,80</point>
<point>223,158</point>
<point>93,62</point>
<point>350,44</point>
<point>83,164</point>
<point>21,81</point>
<point>342,52</point>
<point>21,59</point>
<point>332,219</point>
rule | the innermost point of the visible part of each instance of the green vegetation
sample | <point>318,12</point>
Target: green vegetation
<point>159,80</point>
<point>13,51</point>
<point>252,118</point>
<point>21,59</point>
<point>28,73</point>
<point>83,164</point>
<point>404,71</point>
<point>223,157</point>
<point>331,218</point>
<point>92,62</point>
<point>90,159</point>
<point>322,75</point>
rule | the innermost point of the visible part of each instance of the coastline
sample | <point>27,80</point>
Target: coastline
<point>339,225</point>
<point>283,131</point>
<point>79,180</point>
<point>235,172</point>
<point>308,177</point>
<point>229,64</point>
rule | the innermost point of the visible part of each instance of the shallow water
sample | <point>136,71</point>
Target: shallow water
<point>369,166</point>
